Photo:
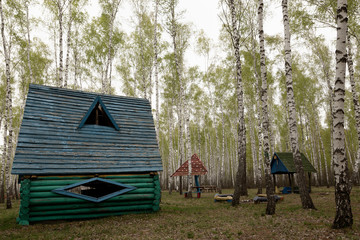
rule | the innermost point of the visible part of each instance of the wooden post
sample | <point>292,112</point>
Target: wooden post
<point>291,186</point>
<point>309,173</point>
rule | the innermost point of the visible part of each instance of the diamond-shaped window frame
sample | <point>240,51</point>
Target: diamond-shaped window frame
<point>63,190</point>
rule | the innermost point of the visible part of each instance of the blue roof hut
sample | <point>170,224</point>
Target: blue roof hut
<point>86,155</point>
<point>283,163</point>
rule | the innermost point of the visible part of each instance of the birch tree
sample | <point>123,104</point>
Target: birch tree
<point>111,9</point>
<point>270,208</point>
<point>28,47</point>
<point>234,31</point>
<point>173,29</point>
<point>68,43</point>
<point>306,200</point>
<point>343,217</point>
<point>8,131</point>
<point>57,8</point>
<point>156,71</point>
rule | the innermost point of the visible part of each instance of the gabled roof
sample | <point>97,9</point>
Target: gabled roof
<point>51,143</point>
<point>283,162</point>
<point>197,167</point>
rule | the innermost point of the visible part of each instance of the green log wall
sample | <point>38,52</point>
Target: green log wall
<point>38,203</point>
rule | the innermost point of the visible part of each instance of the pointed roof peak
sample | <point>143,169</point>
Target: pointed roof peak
<point>197,167</point>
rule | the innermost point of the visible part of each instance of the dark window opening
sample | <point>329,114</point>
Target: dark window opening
<point>99,117</point>
<point>96,189</point>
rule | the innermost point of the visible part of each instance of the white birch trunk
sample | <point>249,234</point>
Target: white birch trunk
<point>60,6</point>
<point>8,108</point>
<point>270,209</point>
<point>304,193</point>
<point>3,158</point>
<point>343,216</point>
<point>56,59</point>
<point>170,146</point>
<point>317,134</point>
<point>217,157</point>
<point>240,183</point>
<point>325,162</point>
<point>68,43</point>
<point>28,47</point>
<point>179,77</point>
<point>314,157</point>
<point>106,85</point>
<point>256,157</point>
<point>189,151</point>
<point>156,70</point>
<point>222,159</point>
<point>253,145</point>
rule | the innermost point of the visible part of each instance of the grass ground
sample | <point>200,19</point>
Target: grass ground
<point>181,218</point>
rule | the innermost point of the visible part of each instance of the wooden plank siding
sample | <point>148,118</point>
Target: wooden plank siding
<point>39,203</point>
<point>50,141</point>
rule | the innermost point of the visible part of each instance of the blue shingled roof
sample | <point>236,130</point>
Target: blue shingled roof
<point>50,142</point>
<point>283,162</point>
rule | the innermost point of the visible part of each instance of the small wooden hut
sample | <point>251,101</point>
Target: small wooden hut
<point>283,163</point>
<point>86,155</point>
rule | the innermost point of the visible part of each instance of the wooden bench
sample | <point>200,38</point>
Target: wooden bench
<point>207,188</point>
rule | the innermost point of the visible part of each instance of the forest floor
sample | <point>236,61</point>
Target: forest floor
<point>202,218</point>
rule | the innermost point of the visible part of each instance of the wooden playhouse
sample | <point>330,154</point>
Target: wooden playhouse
<point>86,155</point>
<point>283,163</point>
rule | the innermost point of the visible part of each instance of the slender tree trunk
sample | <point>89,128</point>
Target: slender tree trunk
<point>317,134</point>
<point>156,69</point>
<point>68,43</point>
<point>303,189</point>
<point>142,60</point>
<point>270,208</point>
<point>28,47</point>
<point>60,6</point>
<point>3,159</point>
<point>179,77</point>
<point>260,156</point>
<point>240,182</point>
<point>257,155</point>
<point>76,57</point>
<point>253,145</point>
<point>8,107</point>
<point>260,134</point>
<point>217,158</point>
<point>331,97</point>
<point>211,160</point>
<point>189,151</point>
<point>222,159</point>
<point>314,156</point>
<point>355,96</point>
<point>206,153</point>
<point>170,146</point>
<point>199,142</point>
<point>106,85</point>
<point>56,59</point>
<point>343,216</point>
<point>325,162</point>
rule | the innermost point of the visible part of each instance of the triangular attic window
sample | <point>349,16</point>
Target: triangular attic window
<point>98,115</point>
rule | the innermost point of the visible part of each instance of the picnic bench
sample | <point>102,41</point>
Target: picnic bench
<point>207,188</point>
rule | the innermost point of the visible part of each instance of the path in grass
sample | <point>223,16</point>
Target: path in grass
<point>181,218</point>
